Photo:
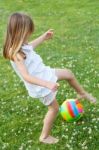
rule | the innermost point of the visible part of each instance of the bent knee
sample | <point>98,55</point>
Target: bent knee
<point>55,109</point>
<point>54,106</point>
<point>69,74</point>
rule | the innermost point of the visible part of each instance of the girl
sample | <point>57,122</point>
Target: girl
<point>40,80</point>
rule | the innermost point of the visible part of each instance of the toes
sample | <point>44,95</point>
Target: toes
<point>87,96</point>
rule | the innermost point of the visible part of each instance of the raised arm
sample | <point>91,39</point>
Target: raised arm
<point>47,35</point>
<point>31,79</point>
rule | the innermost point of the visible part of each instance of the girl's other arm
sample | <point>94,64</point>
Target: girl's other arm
<point>47,35</point>
<point>31,79</point>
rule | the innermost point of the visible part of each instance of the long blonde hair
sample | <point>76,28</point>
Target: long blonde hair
<point>20,26</point>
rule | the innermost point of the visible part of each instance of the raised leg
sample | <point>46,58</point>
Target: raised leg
<point>66,74</point>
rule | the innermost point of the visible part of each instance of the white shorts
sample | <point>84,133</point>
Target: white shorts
<point>48,99</point>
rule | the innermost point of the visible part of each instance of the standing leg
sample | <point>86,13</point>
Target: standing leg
<point>66,74</point>
<point>48,122</point>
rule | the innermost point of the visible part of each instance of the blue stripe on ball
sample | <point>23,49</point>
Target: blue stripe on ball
<point>74,108</point>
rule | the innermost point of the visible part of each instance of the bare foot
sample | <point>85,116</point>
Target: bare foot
<point>88,97</point>
<point>49,140</point>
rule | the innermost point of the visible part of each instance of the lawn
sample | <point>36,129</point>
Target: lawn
<point>75,45</point>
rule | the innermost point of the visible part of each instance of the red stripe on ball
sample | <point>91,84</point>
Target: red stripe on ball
<point>70,109</point>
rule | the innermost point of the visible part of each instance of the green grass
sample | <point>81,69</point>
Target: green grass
<point>76,46</point>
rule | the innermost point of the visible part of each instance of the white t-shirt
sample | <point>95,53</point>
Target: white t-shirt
<point>36,68</point>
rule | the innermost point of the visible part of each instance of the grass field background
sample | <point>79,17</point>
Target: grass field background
<point>75,45</point>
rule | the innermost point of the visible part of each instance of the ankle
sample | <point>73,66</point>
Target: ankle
<point>82,93</point>
<point>43,137</point>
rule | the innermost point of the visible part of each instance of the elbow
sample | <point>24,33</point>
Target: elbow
<point>26,77</point>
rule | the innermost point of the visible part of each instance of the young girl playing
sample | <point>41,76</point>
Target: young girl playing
<point>40,80</point>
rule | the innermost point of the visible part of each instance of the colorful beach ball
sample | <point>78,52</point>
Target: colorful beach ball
<point>71,110</point>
